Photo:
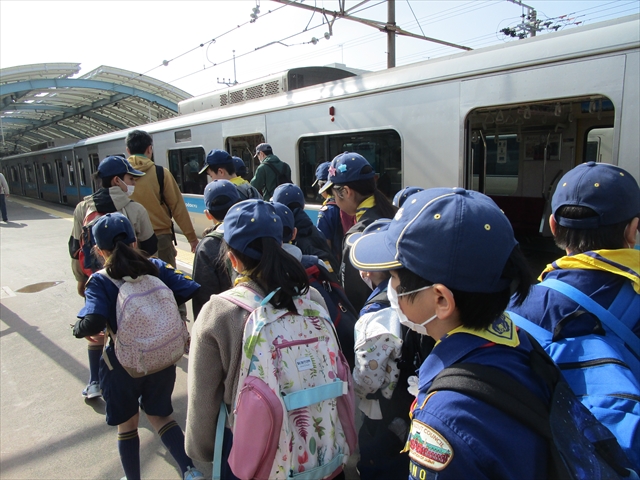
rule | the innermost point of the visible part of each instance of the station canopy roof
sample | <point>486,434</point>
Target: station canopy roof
<point>43,106</point>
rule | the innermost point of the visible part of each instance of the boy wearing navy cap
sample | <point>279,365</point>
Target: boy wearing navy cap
<point>453,260</point>
<point>309,239</point>
<point>208,270</point>
<point>595,207</point>
<point>219,165</point>
<point>117,179</point>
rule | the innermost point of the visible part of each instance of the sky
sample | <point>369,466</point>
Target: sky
<point>141,35</point>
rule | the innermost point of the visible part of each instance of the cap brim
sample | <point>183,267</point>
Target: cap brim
<point>203,169</point>
<point>314,183</point>
<point>325,187</point>
<point>135,173</point>
<point>370,253</point>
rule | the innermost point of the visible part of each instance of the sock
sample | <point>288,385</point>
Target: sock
<point>129,449</point>
<point>173,438</point>
<point>95,352</point>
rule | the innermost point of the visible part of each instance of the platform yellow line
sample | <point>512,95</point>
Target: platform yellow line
<point>183,255</point>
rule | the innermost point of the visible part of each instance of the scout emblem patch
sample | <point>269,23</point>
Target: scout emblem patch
<point>428,447</point>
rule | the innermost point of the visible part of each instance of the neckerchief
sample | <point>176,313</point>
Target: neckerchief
<point>366,204</point>
<point>624,262</point>
<point>329,200</point>
<point>501,332</point>
<point>238,180</point>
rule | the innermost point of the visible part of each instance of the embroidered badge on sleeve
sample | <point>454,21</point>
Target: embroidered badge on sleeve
<point>427,447</point>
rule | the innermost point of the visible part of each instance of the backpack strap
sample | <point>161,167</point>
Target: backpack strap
<point>543,336</point>
<point>242,300</point>
<point>606,317</point>
<point>163,201</point>
<point>217,447</point>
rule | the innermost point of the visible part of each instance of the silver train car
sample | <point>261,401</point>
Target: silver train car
<point>507,120</point>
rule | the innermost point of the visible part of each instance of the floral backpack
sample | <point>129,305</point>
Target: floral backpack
<point>295,405</point>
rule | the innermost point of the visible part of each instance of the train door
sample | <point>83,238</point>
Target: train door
<point>94,161</point>
<point>244,147</point>
<point>516,154</point>
<point>60,181</point>
<point>72,188</point>
<point>185,165</point>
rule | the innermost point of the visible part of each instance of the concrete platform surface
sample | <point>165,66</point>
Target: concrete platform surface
<point>47,429</point>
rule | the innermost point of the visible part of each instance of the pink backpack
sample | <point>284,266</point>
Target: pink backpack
<point>295,404</point>
<point>151,334</point>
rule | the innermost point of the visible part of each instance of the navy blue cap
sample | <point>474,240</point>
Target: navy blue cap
<point>402,195</point>
<point>219,195</point>
<point>288,193</point>
<point>215,157</point>
<point>249,220</point>
<point>116,165</point>
<point>611,192</point>
<point>322,173</point>
<point>263,147</point>
<point>456,237</point>
<point>238,164</point>
<point>378,226</point>
<point>288,222</point>
<point>108,227</point>
<point>346,168</point>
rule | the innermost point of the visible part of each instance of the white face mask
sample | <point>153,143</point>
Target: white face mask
<point>393,299</point>
<point>366,279</point>
<point>130,189</point>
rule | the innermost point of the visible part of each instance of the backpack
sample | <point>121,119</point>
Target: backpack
<point>282,176</point>
<point>341,312</point>
<point>89,262</point>
<point>580,446</point>
<point>246,191</point>
<point>602,367</point>
<point>295,405</point>
<point>151,333</point>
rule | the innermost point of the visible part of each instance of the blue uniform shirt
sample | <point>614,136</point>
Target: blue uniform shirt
<point>330,224</point>
<point>454,436</point>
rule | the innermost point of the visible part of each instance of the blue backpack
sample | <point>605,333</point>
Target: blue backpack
<point>602,368</point>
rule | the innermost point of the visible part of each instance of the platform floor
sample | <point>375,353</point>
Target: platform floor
<point>47,429</point>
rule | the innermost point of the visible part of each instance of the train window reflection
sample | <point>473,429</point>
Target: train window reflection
<point>382,148</point>
<point>185,165</point>
<point>599,145</point>
<point>82,173</point>
<point>72,177</point>
<point>15,176</point>
<point>47,173</point>
<point>28,174</point>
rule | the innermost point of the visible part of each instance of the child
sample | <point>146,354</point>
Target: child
<point>596,211</point>
<point>353,184</point>
<point>125,395</point>
<point>253,240</point>
<point>118,179</point>
<point>219,165</point>
<point>208,268</point>
<point>329,217</point>
<point>309,239</point>
<point>453,261</point>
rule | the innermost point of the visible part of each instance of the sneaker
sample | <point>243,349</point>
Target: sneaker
<point>193,474</point>
<point>92,390</point>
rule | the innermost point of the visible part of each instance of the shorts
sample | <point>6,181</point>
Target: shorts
<point>124,395</point>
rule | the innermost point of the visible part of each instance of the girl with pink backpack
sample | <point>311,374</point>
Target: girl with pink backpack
<point>131,294</point>
<point>266,353</point>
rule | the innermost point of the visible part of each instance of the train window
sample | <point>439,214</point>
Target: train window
<point>15,176</point>
<point>82,173</point>
<point>72,177</point>
<point>599,146</point>
<point>244,147</point>
<point>185,165</point>
<point>382,148</point>
<point>28,174</point>
<point>47,173</point>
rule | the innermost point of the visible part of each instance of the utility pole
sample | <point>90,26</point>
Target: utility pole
<point>391,33</point>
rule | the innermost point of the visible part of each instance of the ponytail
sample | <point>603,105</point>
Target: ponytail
<point>127,261</point>
<point>367,188</point>
<point>276,269</point>
<point>385,208</point>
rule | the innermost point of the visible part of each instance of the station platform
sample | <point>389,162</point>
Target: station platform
<point>47,429</point>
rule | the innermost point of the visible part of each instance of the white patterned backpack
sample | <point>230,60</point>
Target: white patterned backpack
<point>151,333</point>
<point>295,406</point>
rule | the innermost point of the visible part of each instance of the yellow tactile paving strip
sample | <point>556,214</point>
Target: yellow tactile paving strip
<point>183,255</point>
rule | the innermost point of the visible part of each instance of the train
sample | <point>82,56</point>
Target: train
<point>506,120</point>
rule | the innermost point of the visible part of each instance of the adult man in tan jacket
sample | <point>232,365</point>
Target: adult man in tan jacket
<point>161,204</point>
